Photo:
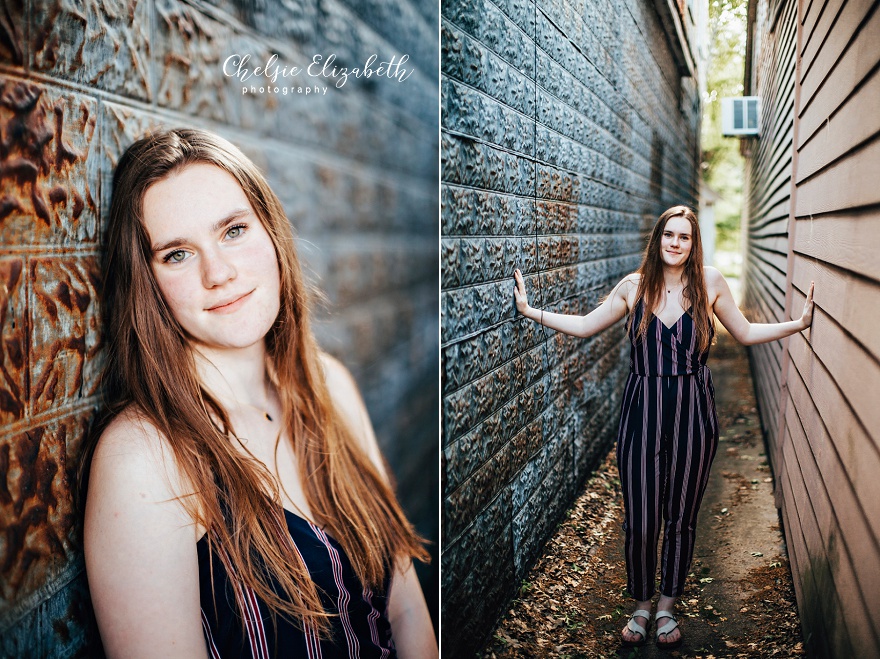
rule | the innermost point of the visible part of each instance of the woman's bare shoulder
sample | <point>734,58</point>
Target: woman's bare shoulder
<point>131,436</point>
<point>348,401</point>
<point>343,390</point>
<point>133,461</point>
<point>715,282</point>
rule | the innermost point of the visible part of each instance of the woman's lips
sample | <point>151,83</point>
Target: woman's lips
<point>232,305</point>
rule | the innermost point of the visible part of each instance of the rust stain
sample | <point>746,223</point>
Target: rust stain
<point>14,351</point>
<point>65,339</point>
<point>37,504</point>
<point>44,142</point>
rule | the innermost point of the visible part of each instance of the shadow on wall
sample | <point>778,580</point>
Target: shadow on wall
<point>355,168</point>
<point>820,612</point>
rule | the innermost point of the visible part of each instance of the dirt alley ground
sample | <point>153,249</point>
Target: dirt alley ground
<point>739,600</point>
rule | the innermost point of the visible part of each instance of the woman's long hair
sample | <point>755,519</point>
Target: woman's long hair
<point>651,281</point>
<point>234,496</point>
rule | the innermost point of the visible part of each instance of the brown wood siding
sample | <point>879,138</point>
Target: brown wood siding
<point>768,200</point>
<point>823,420</point>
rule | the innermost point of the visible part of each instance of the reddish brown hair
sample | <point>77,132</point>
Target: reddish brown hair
<point>651,281</point>
<point>235,497</point>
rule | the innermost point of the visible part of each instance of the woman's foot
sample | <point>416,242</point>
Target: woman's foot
<point>672,636</point>
<point>636,630</point>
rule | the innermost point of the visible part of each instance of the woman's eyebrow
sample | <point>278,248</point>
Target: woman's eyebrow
<point>234,215</point>
<point>217,226</point>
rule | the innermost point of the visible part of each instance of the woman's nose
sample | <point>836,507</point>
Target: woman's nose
<point>217,269</point>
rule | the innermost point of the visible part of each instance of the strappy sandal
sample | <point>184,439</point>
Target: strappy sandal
<point>636,628</point>
<point>665,630</point>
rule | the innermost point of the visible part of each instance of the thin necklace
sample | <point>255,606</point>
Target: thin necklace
<point>262,410</point>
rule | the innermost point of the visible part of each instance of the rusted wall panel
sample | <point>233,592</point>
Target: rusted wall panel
<point>190,49</point>
<point>99,43</point>
<point>50,183</point>
<point>63,350</point>
<point>13,313</point>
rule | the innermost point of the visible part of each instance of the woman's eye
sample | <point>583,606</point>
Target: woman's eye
<point>175,257</point>
<point>235,232</point>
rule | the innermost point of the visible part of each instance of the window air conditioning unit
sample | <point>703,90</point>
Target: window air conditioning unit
<point>740,116</point>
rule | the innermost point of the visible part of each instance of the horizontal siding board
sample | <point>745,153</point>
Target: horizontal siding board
<point>848,241</point>
<point>766,300</point>
<point>822,580</point>
<point>772,269</point>
<point>792,554</point>
<point>849,183</point>
<point>777,188</point>
<point>845,298</point>
<point>855,371</point>
<point>774,223</point>
<point>811,18</point>
<point>780,126</point>
<point>855,122</point>
<point>858,60</point>
<point>821,42</point>
<point>811,440</point>
<point>777,244</point>
<point>828,551</point>
<point>833,428</point>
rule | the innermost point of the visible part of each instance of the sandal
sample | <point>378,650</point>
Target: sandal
<point>636,628</point>
<point>665,630</point>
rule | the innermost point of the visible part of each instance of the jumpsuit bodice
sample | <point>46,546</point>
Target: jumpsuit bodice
<point>359,617</point>
<point>666,351</point>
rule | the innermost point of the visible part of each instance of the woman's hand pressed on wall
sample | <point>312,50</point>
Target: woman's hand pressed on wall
<point>807,315</point>
<point>519,292</point>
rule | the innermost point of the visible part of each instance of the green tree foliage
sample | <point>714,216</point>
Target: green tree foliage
<point>722,163</point>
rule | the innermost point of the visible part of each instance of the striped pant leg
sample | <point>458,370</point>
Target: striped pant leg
<point>690,441</point>
<point>641,465</point>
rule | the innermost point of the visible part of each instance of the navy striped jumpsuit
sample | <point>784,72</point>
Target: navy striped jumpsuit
<point>238,624</point>
<point>665,445</point>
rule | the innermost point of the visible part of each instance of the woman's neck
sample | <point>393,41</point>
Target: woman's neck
<point>673,276</point>
<point>235,375</point>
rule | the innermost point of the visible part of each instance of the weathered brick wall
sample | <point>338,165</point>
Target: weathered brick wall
<point>565,131</point>
<point>355,168</point>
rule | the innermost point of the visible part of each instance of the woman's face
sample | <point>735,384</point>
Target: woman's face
<point>676,241</point>
<point>213,260</point>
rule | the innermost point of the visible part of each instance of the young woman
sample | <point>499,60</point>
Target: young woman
<point>668,428</point>
<point>237,502</point>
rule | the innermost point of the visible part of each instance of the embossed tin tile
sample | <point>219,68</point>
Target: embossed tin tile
<point>12,31</point>
<point>190,48</point>
<point>13,355</point>
<point>36,504</point>
<point>50,182</point>
<point>65,330</point>
<point>99,43</point>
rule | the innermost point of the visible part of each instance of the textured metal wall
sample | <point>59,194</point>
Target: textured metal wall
<point>566,129</point>
<point>355,168</point>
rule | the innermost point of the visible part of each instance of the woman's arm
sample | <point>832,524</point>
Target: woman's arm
<point>602,317</point>
<point>409,617</point>
<point>741,329</point>
<point>408,614</point>
<point>140,548</point>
